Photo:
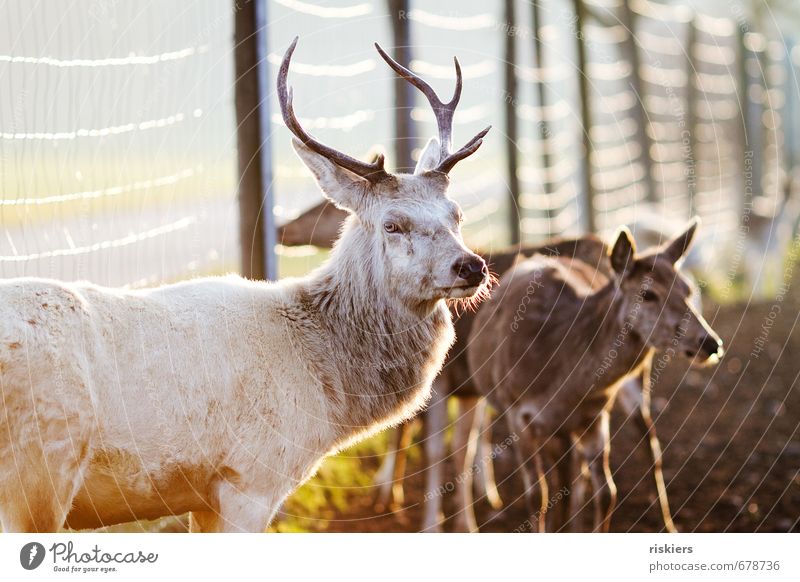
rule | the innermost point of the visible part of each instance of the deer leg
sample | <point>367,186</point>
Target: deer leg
<point>40,478</point>
<point>648,430</point>
<point>465,440</point>
<point>399,473</point>
<point>390,475</point>
<point>527,452</point>
<point>434,421</point>
<point>577,492</point>
<point>634,396</point>
<point>204,521</point>
<point>240,510</point>
<point>544,493</point>
<point>383,479</point>
<point>563,475</point>
<point>597,451</point>
<point>486,484</point>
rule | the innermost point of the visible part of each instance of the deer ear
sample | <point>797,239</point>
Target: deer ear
<point>677,248</point>
<point>340,186</point>
<point>623,252</point>
<point>429,158</point>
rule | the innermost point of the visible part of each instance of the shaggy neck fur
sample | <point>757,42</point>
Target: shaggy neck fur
<point>379,353</point>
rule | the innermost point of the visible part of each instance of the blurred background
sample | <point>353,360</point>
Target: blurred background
<point>141,143</point>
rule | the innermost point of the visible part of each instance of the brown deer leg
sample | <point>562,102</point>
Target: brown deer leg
<point>486,484</point>
<point>648,428</point>
<point>544,493</point>
<point>564,474</point>
<point>634,397</point>
<point>597,446</point>
<point>434,420</point>
<point>399,473</point>
<point>465,441</point>
<point>577,493</point>
<point>383,479</point>
<point>645,422</point>
<point>528,455</point>
<point>390,475</point>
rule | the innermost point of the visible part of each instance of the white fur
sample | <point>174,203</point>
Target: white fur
<point>220,396</point>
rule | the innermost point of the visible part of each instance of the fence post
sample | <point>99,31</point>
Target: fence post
<point>690,156</point>
<point>590,221</point>
<point>544,125</point>
<point>511,122</point>
<point>404,134</point>
<point>630,53</point>
<point>256,219</point>
<point>754,128</point>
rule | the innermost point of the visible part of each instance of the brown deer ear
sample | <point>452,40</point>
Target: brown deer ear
<point>676,249</point>
<point>623,252</point>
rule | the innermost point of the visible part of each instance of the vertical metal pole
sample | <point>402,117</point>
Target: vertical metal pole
<point>631,53</point>
<point>511,123</point>
<point>544,124</point>
<point>690,156</point>
<point>790,110</point>
<point>744,100</point>
<point>755,108</point>
<point>404,134</point>
<point>256,219</point>
<point>590,221</point>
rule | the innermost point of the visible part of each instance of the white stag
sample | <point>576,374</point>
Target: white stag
<point>220,396</point>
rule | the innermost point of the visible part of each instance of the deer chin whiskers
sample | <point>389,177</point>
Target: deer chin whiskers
<point>461,305</point>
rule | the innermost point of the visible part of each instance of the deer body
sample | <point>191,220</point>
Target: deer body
<point>556,370</point>
<point>171,396</point>
<point>220,396</point>
<point>553,346</point>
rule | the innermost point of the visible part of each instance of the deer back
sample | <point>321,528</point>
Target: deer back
<point>589,251</point>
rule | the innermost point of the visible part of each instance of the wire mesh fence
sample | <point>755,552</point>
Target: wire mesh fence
<point>116,141</point>
<point>117,131</point>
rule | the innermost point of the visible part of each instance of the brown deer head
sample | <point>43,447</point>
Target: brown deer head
<point>658,307</point>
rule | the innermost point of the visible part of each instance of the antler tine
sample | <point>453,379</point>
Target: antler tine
<point>373,172</point>
<point>472,146</point>
<point>443,112</point>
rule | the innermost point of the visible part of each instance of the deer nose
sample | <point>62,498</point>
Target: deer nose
<point>711,346</point>
<point>472,269</point>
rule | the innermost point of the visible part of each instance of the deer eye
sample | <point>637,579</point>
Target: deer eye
<point>391,227</point>
<point>649,296</point>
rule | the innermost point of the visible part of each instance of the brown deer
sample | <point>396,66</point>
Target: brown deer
<point>555,342</point>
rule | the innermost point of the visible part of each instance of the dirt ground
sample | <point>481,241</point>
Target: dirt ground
<point>730,436</point>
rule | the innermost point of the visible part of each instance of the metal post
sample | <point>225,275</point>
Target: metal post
<point>544,124</point>
<point>690,157</point>
<point>256,219</point>
<point>404,134</point>
<point>742,98</point>
<point>590,221</point>
<point>754,127</point>
<point>511,123</point>
<point>631,53</point>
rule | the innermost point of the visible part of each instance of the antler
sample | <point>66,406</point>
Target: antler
<point>373,172</point>
<point>444,114</point>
